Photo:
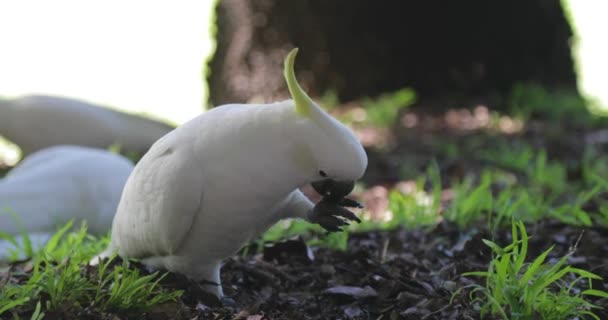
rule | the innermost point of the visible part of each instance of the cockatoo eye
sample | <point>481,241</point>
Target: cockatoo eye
<point>322,174</point>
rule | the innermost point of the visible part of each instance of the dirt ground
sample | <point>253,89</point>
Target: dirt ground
<point>395,274</point>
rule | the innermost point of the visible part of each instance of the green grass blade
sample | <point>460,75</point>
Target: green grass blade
<point>8,237</point>
<point>54,240</point>
<point>37,315</point>
<point>13,304</point>
<point>476,274</point>
<point>534,267</point>
<point>496,248</point>
<point>585,273</point>
<point>590,314</point>
<point>596,293</point>
<point>521,256</point>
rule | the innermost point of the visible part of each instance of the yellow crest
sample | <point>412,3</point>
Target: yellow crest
<point>301,99</point>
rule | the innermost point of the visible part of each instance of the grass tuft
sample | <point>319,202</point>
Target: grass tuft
<point>58,279</point>
<point>516,289</point>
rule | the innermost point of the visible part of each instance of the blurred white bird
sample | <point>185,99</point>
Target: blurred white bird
<point>61,183</point>
<point>37,122</point>
<point>224,177</point>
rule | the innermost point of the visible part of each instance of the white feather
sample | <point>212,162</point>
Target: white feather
<point>61,183</point>
<point>37,122</point>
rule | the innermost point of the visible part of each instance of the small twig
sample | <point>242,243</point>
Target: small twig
<point>578,240</point>
<point>256,272</point>
<point>436,311</point>
<point>273,268</point>
<point>384,251</point>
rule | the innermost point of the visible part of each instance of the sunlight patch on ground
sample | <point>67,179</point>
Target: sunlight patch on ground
<point>465,119</point>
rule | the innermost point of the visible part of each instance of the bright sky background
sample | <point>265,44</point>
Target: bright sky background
<point>148,56</point>
<point>144,56</point>
<point>591,26</point>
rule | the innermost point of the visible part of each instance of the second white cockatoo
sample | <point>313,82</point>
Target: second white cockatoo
<point>62,183</point>
<point>224,177</point>
<point>36,122</point>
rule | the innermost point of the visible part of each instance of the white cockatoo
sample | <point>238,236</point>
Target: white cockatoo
<point>37,122</point>
<point>62,183</point>
<point>224,177</point>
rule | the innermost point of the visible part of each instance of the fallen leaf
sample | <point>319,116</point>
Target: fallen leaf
<point>354,292</point>
<point>201,307</point>
<point>352,312</point>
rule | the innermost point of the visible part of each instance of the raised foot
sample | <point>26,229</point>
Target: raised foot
<point>331,214</point>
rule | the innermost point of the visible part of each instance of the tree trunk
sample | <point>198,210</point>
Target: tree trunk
<point>364,47</point>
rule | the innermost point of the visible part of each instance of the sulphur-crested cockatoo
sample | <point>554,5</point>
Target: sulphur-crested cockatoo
<point>37,122</point>
<point>62,183</point>
<point>224,177</point>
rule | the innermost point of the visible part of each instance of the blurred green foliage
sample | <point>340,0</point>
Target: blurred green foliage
<point>533,101</point>
<point>383,110</point>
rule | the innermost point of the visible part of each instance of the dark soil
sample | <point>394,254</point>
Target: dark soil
<point>396,274</point>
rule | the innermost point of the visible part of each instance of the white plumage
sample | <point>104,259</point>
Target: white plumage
<point>224,177</point>
<point>61,183</point>
<point>37,122</point>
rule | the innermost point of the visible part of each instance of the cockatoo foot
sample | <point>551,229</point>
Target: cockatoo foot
<point>330,214</point>
<point>228,302</point>
<point>102,256</point>
<point>212,287</point>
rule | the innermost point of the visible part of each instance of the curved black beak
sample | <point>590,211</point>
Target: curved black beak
<point>332,189</point>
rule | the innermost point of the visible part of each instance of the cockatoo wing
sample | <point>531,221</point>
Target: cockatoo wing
<point>42,158</point>
<point>160,202</point>
<point>62,183</point>
<point>36,122</point>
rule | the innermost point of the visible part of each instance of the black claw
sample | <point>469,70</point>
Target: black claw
<point>332,216</point>
<point>330,212</point>
<point>343,212</point>
<point>346,202</point>
<point>331,228</point>
<point>328,219</point>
